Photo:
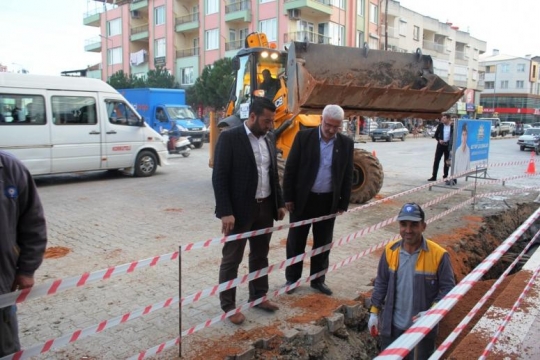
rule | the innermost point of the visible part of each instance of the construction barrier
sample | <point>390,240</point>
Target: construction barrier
<point>78,281</point>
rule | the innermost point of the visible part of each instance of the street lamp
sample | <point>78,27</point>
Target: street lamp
<point>107,55</point>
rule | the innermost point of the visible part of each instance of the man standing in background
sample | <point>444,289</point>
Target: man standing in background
<point>443,134</point>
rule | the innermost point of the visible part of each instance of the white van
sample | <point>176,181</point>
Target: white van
<point>57,124</point>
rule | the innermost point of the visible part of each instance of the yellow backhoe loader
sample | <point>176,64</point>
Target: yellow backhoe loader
<point>306,77</point>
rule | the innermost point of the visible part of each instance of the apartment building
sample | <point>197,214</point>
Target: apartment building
<point>512,87</point>
<point>186,35</point>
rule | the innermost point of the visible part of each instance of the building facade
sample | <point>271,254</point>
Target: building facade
<point>512,87</point>
<point>185,36</point>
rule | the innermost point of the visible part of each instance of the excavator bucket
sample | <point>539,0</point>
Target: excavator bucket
<point>366,82</point>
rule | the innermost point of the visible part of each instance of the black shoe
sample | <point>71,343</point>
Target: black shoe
<point>291,291</point>
<point>322,287</point>
<point>432,179</point>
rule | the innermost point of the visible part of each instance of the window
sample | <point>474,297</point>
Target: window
<point>212,6</point>
<point>187,76</point>
<point>269,27</point>
<point>360,5</point>
<point>114,27</point>
<point>504,84</point>
<point>337,34</point>
<point>120,114</point>
<point>74,110</point>
<point>402,27</point>
<point>212,39</point>
<point>519,84</point>
<point>359,38</point>
<point>373,43</point>
<point>232,35</point>
<point>22,109</point>
<point>160,48</point>
<point>306,31</point>
<point>490,84</point>
<point>373,13</point>
<point>520,67</point>
<point>338,3</point>
<point>114,56</point>
<point>505,68</point>
<point>416,33</point>
<point>159,15</point>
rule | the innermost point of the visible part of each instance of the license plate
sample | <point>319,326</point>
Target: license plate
<point>197,140</point>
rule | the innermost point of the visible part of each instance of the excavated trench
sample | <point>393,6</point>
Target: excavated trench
<point>345,335</point>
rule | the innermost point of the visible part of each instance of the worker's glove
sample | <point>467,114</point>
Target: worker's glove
<point>418,316</point>
<point>373,324</point>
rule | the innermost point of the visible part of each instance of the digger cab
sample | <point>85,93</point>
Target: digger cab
<point>258,72</point>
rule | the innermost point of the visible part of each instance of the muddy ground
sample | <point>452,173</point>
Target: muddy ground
<point>469,236</point>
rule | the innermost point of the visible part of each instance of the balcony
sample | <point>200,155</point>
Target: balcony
<point>139,33</point>
<point>93,44</point>
<point>460,83</point>
<point>306,36</point>
<point>317,8</point>
<point>93,18</point>
<point>238,12</point>
<point>461,58</point>
<point>187,52</point>
<point>430,45</point>
<point>392,32</point>
<point>187,23</point>
<point>393,8</point>
<point>138,5</point>
<point>234,45</point>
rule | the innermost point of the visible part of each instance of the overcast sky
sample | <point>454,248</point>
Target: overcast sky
<point>509,26</point>
<point>47,36</point>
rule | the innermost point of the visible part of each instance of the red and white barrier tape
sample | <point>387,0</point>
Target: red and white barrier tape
<point>406,342</point>
<point>60,285</point>
<point>508,316</point>
<point>467,319</point>
<point>159,348</point>
<point>107,324</point>
<point>91,330</point>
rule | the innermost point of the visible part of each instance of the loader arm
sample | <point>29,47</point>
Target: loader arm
<point>366,82</point>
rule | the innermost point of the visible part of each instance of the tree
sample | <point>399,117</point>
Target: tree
<point>161,78</point>
<point>213,86</point>
<point>158,78</point>
<point>119,80</point>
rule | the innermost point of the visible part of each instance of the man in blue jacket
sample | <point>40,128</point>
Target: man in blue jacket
<point>414,273</point>
<point>23,238</point>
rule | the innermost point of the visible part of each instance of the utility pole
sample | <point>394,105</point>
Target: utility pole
<point>386,27</point>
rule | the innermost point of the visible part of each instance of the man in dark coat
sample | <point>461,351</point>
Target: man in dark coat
<point>443,136</point>
<point>23,238</point>
<point>248,197</point>
<point>317,182</point>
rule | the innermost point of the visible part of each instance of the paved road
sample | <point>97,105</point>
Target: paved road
<point>109,219</point>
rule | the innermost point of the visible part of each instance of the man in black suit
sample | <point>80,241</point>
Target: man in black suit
<point>443,135</point>
<point>248,197</point>
<point>317,182</point>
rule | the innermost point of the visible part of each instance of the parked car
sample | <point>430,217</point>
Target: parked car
<point>530,140</point>
<point>389,131</point>
<point>520,129</point>
<point>536,124</point>
<point>511,125</point>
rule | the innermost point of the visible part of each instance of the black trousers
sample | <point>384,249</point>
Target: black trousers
<point>439,152</point>
<point>233,252</point>
<point>425,348</point>
<point>317,205</point>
